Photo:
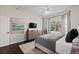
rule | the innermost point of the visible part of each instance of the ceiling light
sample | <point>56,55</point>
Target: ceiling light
<point>47,10</point>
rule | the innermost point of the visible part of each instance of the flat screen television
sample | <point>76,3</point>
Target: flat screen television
<point>32,25</point>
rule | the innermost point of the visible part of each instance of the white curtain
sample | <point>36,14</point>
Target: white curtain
<point>44,25</point>
<point>63,24</point>
<point>67,22</point>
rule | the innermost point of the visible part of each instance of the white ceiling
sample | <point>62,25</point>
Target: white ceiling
<point>40,9</point>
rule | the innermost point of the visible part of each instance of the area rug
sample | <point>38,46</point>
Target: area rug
<point>29,48</point>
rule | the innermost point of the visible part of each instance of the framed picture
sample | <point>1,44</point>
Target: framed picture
<point>17,28</point>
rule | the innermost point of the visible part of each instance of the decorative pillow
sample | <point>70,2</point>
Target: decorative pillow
<point>71,35</point>
<point>76,40</point>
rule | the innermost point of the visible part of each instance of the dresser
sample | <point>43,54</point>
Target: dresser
<point>32,34</point>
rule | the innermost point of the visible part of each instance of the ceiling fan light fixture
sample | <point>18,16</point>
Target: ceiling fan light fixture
<point>47,10</point>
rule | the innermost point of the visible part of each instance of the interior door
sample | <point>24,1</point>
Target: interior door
<point>4,31</point>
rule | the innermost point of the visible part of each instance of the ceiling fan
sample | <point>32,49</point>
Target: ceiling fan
<point>47,10</point>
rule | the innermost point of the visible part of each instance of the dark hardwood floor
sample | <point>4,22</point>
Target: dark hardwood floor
<point>12,49</point>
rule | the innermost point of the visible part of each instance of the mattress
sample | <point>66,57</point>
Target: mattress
<point>49,40</point>
<point>63,47</point>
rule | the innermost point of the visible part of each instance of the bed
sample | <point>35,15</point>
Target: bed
<point>55,42</point>
<point>63,47</point>
<point>47,42</point>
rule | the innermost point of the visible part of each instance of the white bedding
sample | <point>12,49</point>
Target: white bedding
<point>63,47</point>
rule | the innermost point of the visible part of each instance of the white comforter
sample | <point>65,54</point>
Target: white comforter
<point>63,47</point>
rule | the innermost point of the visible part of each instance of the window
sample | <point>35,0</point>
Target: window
<point>55,23</point>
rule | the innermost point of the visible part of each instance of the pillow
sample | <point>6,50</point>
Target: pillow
<point>71,35</point>
<point>76,40</point>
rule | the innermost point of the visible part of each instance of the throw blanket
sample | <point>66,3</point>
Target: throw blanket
<point>49,40</point>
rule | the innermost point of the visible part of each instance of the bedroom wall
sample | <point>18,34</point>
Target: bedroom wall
<point>74,16</point>
<point>10,11</point>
